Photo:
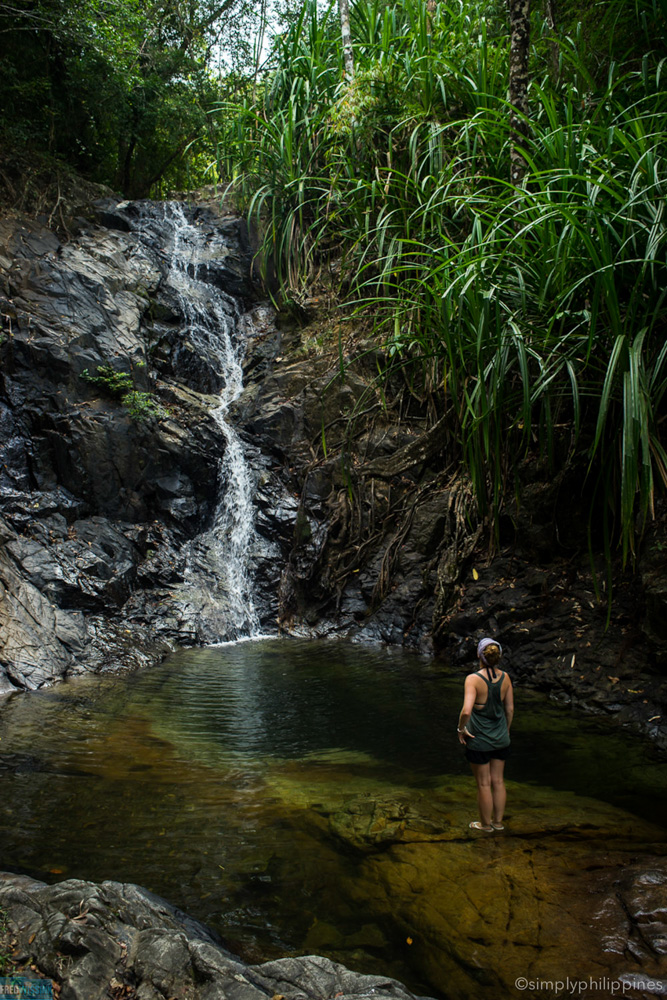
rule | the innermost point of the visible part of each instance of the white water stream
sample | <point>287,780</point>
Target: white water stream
<point>211,323</point>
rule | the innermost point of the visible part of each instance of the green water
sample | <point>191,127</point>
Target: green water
<point>210,779</point>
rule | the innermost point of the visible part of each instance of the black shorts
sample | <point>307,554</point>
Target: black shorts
<point>484,756</point>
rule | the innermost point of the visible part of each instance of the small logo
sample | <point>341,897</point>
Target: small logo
<point>22,988</point>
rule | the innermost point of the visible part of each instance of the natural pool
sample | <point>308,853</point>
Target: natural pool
<point>212,781</point>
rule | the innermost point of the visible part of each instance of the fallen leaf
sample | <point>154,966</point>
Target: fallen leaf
<point>475,574</point>
<point>409,940</point>
<point>614,680</point>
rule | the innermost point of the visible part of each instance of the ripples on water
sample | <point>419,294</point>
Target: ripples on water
<point>209,779</point>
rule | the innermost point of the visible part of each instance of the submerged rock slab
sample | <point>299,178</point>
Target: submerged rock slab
<point>116,939</point>
<point>572,887</point>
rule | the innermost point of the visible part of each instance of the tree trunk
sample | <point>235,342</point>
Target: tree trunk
<point>346,35</point>
<point>518,84</point>
<point>550,17</point>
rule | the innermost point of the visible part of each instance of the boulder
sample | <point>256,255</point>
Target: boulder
<point>119,940</point>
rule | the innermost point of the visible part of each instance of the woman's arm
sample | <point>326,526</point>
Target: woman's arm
<point>469,699</point>
<point>508,703</point>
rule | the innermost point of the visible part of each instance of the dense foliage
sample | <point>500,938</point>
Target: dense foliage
<point>118,89</point>
<point>535,316</point>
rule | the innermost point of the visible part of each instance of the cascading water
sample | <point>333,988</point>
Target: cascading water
<point>211,317</point>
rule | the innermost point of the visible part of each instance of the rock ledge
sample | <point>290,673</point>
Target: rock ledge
<point>121,941</point>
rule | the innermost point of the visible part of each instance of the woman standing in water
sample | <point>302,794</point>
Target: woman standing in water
<point>484,730</point>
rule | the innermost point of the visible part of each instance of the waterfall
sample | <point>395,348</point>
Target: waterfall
<point>210,323</point>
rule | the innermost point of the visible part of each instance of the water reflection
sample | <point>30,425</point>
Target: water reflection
<point>210,781</point>
<point>283,700</point>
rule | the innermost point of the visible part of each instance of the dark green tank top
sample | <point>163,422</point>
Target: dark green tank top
<point>488,724</point>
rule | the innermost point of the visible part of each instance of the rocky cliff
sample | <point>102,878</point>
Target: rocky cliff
<point>110,469</point>
<point>388,545</point>
<point>111,454</point>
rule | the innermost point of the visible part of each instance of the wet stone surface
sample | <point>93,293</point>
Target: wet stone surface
<point>118,939</point>
<point>97,507</point>
<point>558,893</point>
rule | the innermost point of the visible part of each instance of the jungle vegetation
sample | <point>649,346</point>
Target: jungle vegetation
<point>119,90</point>
<point>530,307</point>
<point>527,303</point>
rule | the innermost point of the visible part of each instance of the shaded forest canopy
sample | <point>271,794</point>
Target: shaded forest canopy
<point>530,310</point>
<point>120,90</point>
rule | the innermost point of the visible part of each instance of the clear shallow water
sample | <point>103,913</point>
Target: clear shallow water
<point>209,780</point>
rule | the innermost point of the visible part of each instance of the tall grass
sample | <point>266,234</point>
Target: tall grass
<point>537,315</point>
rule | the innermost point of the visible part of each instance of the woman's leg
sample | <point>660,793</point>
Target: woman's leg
<point>482,774</point>
<point>498,791</point>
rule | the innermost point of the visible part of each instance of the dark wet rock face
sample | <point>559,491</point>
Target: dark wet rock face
<point>376,525</point>
<point>118,940</point>
<point>362,526</point>
<point>99,501</point>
